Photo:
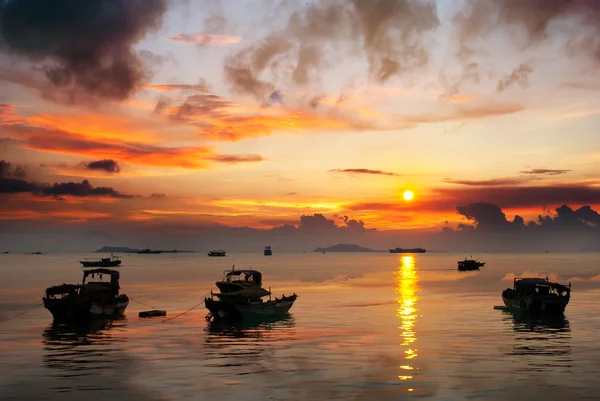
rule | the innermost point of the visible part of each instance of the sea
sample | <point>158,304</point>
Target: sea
<point>365,326</point>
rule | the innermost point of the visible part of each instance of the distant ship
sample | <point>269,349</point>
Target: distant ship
<point>217,252</point>
<point>408,250</point>
<point>148,250</point>
<point>268,251</point>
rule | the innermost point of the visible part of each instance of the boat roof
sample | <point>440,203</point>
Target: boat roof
<point>526,282</point>
<point>103,270</point>
<point>241,271</point>
<point>61,289</point>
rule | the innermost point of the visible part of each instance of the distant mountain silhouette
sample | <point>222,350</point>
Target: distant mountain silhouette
<point>345,248</point>
<point>116,249</point>
<point>122,249</point>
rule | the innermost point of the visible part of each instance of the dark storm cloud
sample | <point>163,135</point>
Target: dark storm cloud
<point>490,217</point>
<point>85,46</point>
<point>82,189</point>
<point>533,19</point>
<point>8,170</point>
<point>545,171</point>
<point>487,216</point>
<point>13,179</point>
<point>363,171</point>
<point>389,34</point>
<point>107,165</point>
<point>521,196</point>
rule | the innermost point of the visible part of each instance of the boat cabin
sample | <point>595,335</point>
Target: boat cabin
<point>243,283</point>
<point>534,286</point>
<point>251,277</point>
<point>95,290</point>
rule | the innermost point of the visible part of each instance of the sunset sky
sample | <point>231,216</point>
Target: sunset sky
<point>246,113</point>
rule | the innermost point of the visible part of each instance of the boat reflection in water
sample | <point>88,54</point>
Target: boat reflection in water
<point>80,353</point>
<point>407,296</point>
<point>543,341</point>
<point>244,347</point>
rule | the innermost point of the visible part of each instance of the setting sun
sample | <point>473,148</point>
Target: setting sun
<point>408,195</point>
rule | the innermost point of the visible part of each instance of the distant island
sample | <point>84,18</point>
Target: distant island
<point>122,249</point>
<point>345,248</point>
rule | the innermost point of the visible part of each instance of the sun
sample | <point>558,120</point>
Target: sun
<point>408,195</point>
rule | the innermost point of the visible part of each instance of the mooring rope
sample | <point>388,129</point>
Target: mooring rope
<point>149,306</point>
<point>21,314</point>
<point>183,313</point>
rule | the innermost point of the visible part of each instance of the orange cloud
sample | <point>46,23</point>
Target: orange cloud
<point>222,120</point>
<point>168,87</point>
<point>67,216</point>
<point>466,113</point>
<point>101,126</point>
<point>205,40</point>
<point>116,137</point>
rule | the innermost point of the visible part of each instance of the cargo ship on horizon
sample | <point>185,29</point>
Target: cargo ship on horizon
<point>408,250</point>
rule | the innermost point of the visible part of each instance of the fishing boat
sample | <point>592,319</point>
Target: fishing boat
<point>537,295</point>
<point>408,250</point>
<point>90,299</point>
<point>113,261</point>
<point>268,251</point>
<point>241,296</point>
<point>469,264</point>
<point>217,252</point>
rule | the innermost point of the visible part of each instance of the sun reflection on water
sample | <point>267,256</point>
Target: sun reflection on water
<point>407,288</point>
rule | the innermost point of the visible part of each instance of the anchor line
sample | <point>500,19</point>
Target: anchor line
<point>183,313</point>
<point>21,314</point>
<point>149,306</point>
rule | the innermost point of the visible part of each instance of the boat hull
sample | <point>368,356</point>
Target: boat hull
<point>247,310</point>
<point>534,303</point>
<point>400,250</point>
<point>68,308</point>
<point>113,263</point>
<point>472,267</point>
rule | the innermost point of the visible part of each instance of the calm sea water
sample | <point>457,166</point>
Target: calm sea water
<point>365,327</point>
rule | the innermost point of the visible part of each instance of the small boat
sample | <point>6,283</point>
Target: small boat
<point>95,299</point>
<point>217,252</point>
<point>152,313</point>
<point>537,295</point>
<point>241,296</point>
<point>469,264</point>
<point>408,250</point>
<point>113,261</point>
<point>268,251</point>
<point>148,251</point>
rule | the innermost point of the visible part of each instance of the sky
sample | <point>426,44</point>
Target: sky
<point>135,120</point>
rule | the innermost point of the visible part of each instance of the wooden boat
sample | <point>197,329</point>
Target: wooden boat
<point>152,313</point>
<point>217,252</point>
<point>113,261</point>
<point>96,299</point>
<point>469,264</point>
<point>537,294</point>
<point>241,296</point>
